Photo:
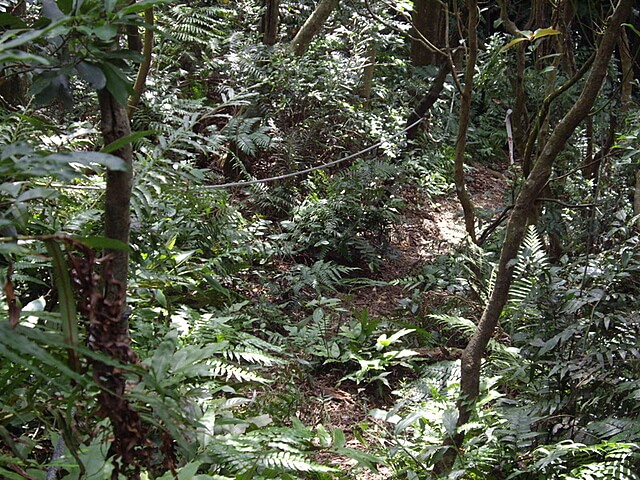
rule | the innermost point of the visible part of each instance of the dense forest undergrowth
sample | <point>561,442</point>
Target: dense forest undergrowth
<point>319,240</point>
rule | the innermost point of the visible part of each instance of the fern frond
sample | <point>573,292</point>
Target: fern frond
<point>291,462</point>
<point>219,368</point>
<point>254,357</point>
<point>461,325</point>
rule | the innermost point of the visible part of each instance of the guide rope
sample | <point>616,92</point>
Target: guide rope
<point>311,169</point>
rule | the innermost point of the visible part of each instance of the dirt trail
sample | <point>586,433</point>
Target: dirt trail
<point>431,228</point>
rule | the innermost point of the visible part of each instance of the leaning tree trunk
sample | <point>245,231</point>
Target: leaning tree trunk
<point>463,122</point>
<point>312,26</point>
<point>516,229</point>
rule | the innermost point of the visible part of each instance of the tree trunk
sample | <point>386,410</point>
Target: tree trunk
<point>13,85</point>
<point>516,229</point>
<point>114,123</point>
<point>428,100</point>
<point>143,71</point>
<point>428,18</point>
<point>269,23</point>
<point>463,122</point>
<point>366,82</point>
<point>312,26</point>
<point>520,116</point>
<point>636,199</point>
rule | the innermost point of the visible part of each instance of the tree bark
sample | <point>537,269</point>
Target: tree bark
<point>524,205</point>
<point>463,122</point>
<point>114,123</point>
<point>636,199</point>
<point>428,100</point>
<point>269,24</point>
<point>143,72</point>
<point>366,82</point>
<point>312,26</point>
<point>428,18</point>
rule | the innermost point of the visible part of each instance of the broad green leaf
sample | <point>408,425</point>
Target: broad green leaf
<point>66,300</point>
<point>513,42</point>
<point>106,32</point>
<point>88,158</point>
<point>51,10</point>
<point>339,439</point>
<point>31,35</point>
<point>141,6</point>
<point>103,243</point>
<point>450,420</point>
<point>544,32</point>
<point>92,74</point>
<point>67,5</point>
<point>118,84</point>
<point>123,141</point>
<point>11,21</point>
<point>34,193</point>
<point>23,57</point>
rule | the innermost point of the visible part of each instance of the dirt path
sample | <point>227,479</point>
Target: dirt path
<point>431,228</point>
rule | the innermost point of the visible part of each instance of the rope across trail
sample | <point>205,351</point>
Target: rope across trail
<point>311,169</point>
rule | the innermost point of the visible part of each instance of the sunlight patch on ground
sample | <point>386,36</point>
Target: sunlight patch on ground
<point>451,226</point>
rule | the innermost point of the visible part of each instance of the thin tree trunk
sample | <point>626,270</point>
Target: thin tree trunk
<point>114,123</point>
<point>312,26</point>
<point>269,24</point>
<point>428,100</point>
<point>463,122</point>
<point>520,116</point>
<point>636,199</point>
<point>366,82</point>
<point>516,229</point>
<point>143,72</point>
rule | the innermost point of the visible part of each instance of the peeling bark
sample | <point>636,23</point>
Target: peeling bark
<point>516,229</point>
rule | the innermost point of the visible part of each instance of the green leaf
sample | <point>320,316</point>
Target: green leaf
<point>88,158</point>
<point>11,21</point>
<point>450,420</point>
<point>118,84</point>
<point>544,32</point>
<point>12,247</point>
<point>103,243</point>
<point>22,57</point>
<point>106,32</point>
<point>26,37</point>
<point>513,42</point>
<point>123,141</point>
<point>364,459</point>
<point>66,300</point>
<point>141,6</point>
<point>339,439</point>
<point>35,193</point>
<point>92,74</point>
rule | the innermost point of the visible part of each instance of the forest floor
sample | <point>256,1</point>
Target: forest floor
<point>431,227</point>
